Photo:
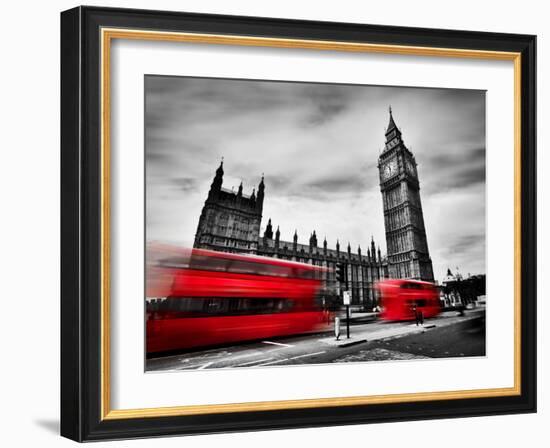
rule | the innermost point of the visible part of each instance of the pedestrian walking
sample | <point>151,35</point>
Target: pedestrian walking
<point>415,313</point>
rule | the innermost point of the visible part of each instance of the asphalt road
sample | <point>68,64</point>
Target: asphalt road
<point>453,341</point>
<point>464,339</point>
<point>441,339</point>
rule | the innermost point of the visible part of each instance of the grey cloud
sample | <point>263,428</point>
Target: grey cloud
<point>156,157</point>
<point>467,177</point>
<point>327,101</point>
<point>324,113</point>
<point>343,183</point>
<point>185,183</point>
<point>318,145</point>
<point>472,155</point>
<point>278,183</point>
<point>454,170</point>
<point>463,244</point>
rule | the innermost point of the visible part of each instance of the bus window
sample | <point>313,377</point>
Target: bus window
<point>247,267</point>
<point>306,274</point>
<point>274,270</point>
<point>203,263</point>
<point>218,306</point>
<point>174,262</point>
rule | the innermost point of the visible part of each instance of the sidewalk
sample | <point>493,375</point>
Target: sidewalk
<point>386,331</point>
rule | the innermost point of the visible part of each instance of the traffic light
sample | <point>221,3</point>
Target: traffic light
<point>340,272</point>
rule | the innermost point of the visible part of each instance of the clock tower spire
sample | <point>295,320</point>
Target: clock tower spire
<point>407,245</point>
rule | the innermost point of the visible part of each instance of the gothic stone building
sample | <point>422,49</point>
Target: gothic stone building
<point>230,222</point>
<point>407,246</point>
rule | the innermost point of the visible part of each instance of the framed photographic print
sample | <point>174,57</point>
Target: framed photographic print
<point>273,223</point>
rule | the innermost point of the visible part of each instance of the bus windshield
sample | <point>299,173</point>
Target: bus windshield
<point>238,266</point>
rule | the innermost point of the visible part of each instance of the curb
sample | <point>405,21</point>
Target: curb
<point>352,342</point>
<point>343,342</point>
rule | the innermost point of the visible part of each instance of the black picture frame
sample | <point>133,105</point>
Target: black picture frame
<point>82,406</point>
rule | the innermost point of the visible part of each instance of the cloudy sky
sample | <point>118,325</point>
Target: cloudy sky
<point>318,145</point>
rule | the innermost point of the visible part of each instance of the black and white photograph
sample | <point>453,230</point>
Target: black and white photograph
<point>295,223</point>
<point>275,224</point>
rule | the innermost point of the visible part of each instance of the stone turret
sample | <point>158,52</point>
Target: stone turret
<point>268,230</point>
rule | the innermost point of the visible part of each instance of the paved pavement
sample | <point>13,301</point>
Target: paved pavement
<point>366,344</point>
<point>390,330</point>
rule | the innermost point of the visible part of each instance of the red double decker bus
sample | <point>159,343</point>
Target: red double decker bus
<point>198,298</point>
<point>400,299</point>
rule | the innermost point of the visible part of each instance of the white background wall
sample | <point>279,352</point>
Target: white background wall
<point>29,234</point>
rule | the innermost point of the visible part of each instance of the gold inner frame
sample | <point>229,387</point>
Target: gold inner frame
<point>107,35</point>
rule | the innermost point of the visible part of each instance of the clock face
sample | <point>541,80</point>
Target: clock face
<point>410,167</point>
<point>389,169</point>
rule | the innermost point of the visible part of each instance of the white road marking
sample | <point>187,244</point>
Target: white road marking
<point>187,367</point>
<point>253,362</point>
<point>289,359</point>
<point>205,357</point>
<point>272,362</point>
<point>204,366</point>
<point>308,354</point>
<point>277,343</point>
<point>248,355</point>
<point>227,359</point>
<point>223,356</point>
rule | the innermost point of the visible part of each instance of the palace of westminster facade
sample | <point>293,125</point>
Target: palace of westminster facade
<point>230,222</point>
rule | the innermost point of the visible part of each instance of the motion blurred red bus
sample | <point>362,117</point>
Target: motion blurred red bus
<point>399,298</point>
<point>198,298</point>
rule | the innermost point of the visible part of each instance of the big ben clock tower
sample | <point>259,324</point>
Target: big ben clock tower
<point>407,246</point>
